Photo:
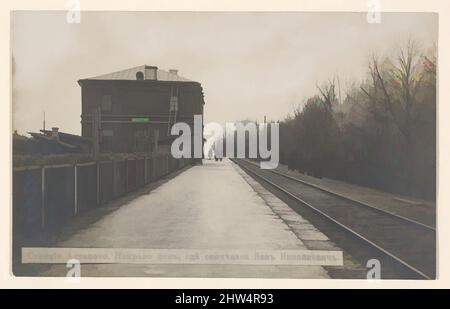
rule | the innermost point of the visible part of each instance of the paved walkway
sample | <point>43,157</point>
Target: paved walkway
<point>210,206</point>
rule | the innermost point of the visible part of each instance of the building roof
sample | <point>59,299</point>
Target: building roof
<point>69,138</point>
<point>51,141</point>
<point>130,74</point>
<point>65,140</point>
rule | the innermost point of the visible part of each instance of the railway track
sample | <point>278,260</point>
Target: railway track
<point>403,242</point>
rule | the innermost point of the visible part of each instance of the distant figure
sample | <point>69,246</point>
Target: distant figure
<point>210,153</point>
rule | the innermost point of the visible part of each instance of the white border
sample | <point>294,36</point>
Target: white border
<point>440,6</point>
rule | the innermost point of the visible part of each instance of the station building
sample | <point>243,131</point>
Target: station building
<point>133,110</point>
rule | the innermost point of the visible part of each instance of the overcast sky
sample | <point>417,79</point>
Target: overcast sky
<point>249,64</point>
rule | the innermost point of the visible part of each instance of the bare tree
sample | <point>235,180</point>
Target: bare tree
<point>398,84</point>
<point>382,135</point>
<point>328,93</point>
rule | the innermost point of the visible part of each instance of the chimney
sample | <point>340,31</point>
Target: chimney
<point>55,134</point>
<point>173,71</point>
<point>151,72</point>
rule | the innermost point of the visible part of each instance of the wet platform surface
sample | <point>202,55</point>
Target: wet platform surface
<point>209,206</point>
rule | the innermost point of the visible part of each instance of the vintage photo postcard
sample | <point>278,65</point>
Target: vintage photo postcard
<point>213,144</point>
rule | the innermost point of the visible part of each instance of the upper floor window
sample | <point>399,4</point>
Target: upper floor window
<point>106,103</point>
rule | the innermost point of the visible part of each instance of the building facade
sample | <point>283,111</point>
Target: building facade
<point>133,110</point>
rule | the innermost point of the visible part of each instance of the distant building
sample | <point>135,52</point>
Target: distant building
<point>135,108</point>
<point>50,142</point>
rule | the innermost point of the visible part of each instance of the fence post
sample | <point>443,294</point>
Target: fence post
<point>43,197</point>
<point>75,190</point>
<point>167,165</point>
<point>145,171</point>
<point>98,183</point>
<point>114,192</point>
<point>126,176</point>
<point>136,175</point>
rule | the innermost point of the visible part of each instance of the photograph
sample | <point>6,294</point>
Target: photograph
<point>224,144</point>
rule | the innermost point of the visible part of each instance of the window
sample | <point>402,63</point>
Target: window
<point>107,132</point>
<point>106,103</point>
<point>106,144</point>
<point>106,140</point>
<point>142,140</point>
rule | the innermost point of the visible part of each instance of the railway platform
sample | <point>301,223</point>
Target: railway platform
<point>214,206</point>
